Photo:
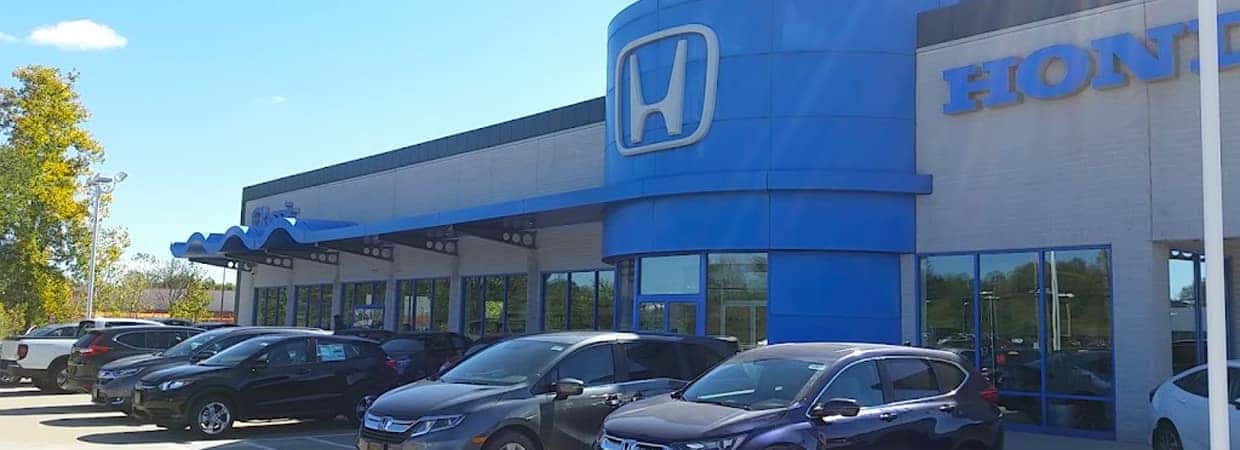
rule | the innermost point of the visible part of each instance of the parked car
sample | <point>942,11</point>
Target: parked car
<point>1180,413</point>
<point>548,391</point>
<point>175,322</point>
<point>852,396</point>
<point>8,378</point>
<point>213,325</point>
<point>374,334</point>
<point>267,377</point>
<point>45,359</point>
<point>99,347</point>
<point>117,378</point>
<point>419,355</point>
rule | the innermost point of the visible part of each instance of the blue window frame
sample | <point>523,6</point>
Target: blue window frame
<point>1186,278</point>
<point>362,304</point>
<point>422,305</point>
<point>1038,321</point>
<point>579,300</point>
<point>312,306</point>
<point>495,305</point>
<point>271,306</point>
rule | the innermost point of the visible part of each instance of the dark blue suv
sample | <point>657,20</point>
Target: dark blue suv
<point>810,396</point>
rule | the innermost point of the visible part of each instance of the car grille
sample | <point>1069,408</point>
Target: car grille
<point>616,443</point>
<point>382,436</point>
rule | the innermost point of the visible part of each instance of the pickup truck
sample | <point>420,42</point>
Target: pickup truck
<point>44,359</point>
<point>58,329</point>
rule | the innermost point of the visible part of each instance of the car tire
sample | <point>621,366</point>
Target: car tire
<point>1166,437</point>
<point>356,410</point>
<point>510,440</point>
<point>8,380</point>
<point>54,380</point>
<point>211,417</point>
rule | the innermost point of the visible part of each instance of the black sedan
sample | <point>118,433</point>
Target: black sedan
<point>843,396</point>
<point>419,355</point>
<point>99,347</point>
<point>115,385</point>
<point>268,377</point>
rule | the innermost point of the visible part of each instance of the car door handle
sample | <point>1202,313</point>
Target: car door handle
<point>947,408</point>
<point>888,417</point>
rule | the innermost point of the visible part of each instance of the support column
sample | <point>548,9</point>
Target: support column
<point>389,298</point>
<point>290,315</point>
<point>456,303</point>
<point>533,293</point>
<point>337,297</point>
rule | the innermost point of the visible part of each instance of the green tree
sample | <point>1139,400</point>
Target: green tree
<point>45,158</point>
<point>194,305</point>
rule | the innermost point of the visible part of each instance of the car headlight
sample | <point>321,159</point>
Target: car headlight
<point>104,373</point>
<point>122,373</point>
<point>728,443</point>
<point>173,385</point>
<point>427,425</point>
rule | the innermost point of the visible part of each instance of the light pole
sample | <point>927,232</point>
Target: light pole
<point>99,185</point>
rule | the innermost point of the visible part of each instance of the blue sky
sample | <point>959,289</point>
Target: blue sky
<point>205,98</point>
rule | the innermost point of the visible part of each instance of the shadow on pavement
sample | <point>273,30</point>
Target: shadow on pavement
<point>136,437</point>
<point>97,421</point>
<point>25,393</point>
<point>62,409</point>
<point>279,431</point>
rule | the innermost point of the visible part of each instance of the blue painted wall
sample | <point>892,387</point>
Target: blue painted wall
<point>808,90</point>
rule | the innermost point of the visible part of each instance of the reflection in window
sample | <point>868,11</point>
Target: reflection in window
<point>1009,338</point>
<point>362,304</point>
<point>517,304</point>
<point>650,317</point>
<point>555,296</point>
<point>416,308</point>
<point>271,306</point>
<point>736,297</point>
<point>947,303</point>
<point>664,275</point>
<point>492,302</point>
<point>682,318</point>
<point>1078,311</point>
<point>1186,276</point>
<point>439,305</point>
<point>583,300</point>
<point>314,306</point>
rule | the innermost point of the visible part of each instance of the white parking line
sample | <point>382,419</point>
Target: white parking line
<point>327,442</point>
<point>255,444</point>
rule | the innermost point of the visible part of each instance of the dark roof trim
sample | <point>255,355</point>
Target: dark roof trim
<point>974,17</point>
<point>559,119</point>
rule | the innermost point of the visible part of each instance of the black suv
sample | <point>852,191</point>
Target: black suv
<point>843,396</point>
<point>99,347</point>
<point>547,391</point>
<point>114,387</point>
<point>419,355</point>
<point>267,377</point>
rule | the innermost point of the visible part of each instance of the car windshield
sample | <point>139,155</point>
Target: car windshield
<point>507,363</point>
<point>236,354</point>
<point>188,346</point>
<point>755,384</point>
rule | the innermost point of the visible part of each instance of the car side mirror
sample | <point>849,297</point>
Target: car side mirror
<point>568,387</point>
<point>836,407</point>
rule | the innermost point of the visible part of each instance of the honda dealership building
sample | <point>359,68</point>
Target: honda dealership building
<point>1015,181</point>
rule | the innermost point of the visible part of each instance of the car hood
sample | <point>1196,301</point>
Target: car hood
<point>147,361</point>
<point>432,398</point>
<point>181,372</point>
<point>664,419</point>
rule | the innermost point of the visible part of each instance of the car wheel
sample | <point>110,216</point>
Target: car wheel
<point>510,440</point>
<point>1167,438</point>
<point>357,411</point>
<point>55,380</point>
<point>211,417</point>
<point>7,380</point>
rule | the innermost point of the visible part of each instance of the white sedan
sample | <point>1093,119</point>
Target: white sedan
<point>1180,420</point>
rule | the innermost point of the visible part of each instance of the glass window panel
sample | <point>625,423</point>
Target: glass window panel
<point>495,293</point>
<point>324,310</point>
<point>911,379</point>
<point>304,301</point>
<point>682,318</point>
<point>554,291</point>
<point>624,293</point>
<point>363,305</point>
<point>859,382</point>
<point>581,305</point>
<point>671,275</point>
<point>595,366</point>
<point>422,305</point>
<point>1010,347</point>
<point>1078,314</point>
<point>650,317</point>
<point>1025,410</point>
<point>947,304</point>
<point>653,359</point>
<point>473,307</point>
<point>606,300</point>
<point>736,297</point>
<point>439,308</point>
<point>1090,415</point>
<point>405,305</point>
<point>517,303</point>
<point>1183,296</point>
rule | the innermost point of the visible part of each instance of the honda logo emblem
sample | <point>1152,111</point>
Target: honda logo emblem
<point>672,106</point>
<point>628,444</point>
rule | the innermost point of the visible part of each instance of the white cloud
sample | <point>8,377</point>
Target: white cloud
<point>277,99</point>
<point>80,35</point>
<point>7,39</point>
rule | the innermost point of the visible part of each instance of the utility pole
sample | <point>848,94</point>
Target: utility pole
<point>99,185</point>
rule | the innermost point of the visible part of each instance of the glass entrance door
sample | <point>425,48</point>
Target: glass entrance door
<point>674,317</point>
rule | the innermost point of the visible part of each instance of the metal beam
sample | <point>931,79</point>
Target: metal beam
<point>445,244</point>
<point>312,254</point>
<point>368,246</point>
<point>227,263</point>
<point>524,238</point>
<point>263,258</point>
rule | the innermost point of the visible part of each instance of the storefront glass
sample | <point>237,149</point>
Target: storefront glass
<point>581,300</point>
<point>362,304</point>
<point>555,296</point>
<point>416,305</point>
<point>314,306</point>
<point>1045,335</point>
<point>736,297</point>
<point>491,303</point>
<point>671,275</point>
<point>271,306</point>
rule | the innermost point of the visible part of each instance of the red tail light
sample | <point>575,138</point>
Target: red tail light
<point>22,351</point>
<point>991,395</point>
<point>94,349</point>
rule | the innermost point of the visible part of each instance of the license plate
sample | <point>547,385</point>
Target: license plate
<point>375,446</point>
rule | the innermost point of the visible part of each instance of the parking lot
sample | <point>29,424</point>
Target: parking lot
<point>35,421</point>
